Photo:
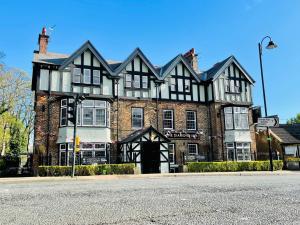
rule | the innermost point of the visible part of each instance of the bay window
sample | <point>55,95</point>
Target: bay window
<point>236,118</point>
<point>89,113</point>
<point>238,151</point>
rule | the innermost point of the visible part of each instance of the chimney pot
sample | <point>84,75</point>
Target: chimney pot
<point>192,58</point>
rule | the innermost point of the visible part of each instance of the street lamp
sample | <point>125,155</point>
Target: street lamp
<point>271,45</point>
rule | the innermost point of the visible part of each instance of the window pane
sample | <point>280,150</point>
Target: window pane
<point>145,82</point>
<point>128,80</point>
<point>76,75</point>
<point>99,103</point>
<point>191,120</point>
<point>100,154</point>
<point>187,86</point>
<point>137,117</point>
<point>137,81</point>
<point>87,103</point>
<point>228,121</point>
<point>87,146</point>
<point>173,84</point>
<point>96,76</point>
<point>87,116</point>
<point>99,146</point>
<point>100,117</point>
<point>87,76</point>
<point>171,153</point>
<point>63,117</point>
<point>168,119</point>
<point>192,149</point>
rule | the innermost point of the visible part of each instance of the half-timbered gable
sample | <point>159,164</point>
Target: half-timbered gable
<point>181,83</point>
<point>137,77</point>
<point>230,82</point>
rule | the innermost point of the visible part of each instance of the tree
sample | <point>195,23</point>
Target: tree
<point>16,110</point>
<point>295,119</point>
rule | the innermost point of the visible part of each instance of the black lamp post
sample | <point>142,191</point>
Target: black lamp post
<point>271,45</point>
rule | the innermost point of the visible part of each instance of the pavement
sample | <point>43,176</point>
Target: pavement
<point>206,198</point>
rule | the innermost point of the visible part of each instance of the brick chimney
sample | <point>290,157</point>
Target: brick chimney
<point>192,58</point>
<point>43,41</point>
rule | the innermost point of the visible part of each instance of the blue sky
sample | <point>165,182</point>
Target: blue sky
<point>164,28</point>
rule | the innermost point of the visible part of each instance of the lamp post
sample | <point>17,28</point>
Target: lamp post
<point>271,45</point>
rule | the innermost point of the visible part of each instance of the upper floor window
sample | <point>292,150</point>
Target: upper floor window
<point>96,76</point>
<point>128,80</point>
<point>136,81</point>
<point>137,115</point>
<point>87,76</point>
<point>187,85</point>
<point>144,82</point>
<point>168,119</point>
<point>236,118</point>
<point>192,149</point>
<point>89,113</point>
<point>173,84</point>
<point>191,120</point>
<point>76,75</point>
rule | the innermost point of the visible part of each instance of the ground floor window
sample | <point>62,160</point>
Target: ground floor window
<point>172,153</point>
<point>192,149</point>
<point>90,153</point>
<point>238,151</point>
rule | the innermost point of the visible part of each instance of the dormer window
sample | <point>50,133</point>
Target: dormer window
<point>76,75</point>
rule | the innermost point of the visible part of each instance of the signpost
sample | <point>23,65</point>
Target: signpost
<point>268,121</point>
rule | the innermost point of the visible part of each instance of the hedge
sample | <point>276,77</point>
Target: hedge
<point>233,166</point>
<point>86,170</point>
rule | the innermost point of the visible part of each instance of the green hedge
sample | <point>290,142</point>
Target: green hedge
<point>86,170</point>
<point>233,166</point>
<point>2,164</point>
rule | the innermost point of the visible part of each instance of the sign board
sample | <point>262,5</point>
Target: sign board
<point>183,134</point>
<point>268,122</point>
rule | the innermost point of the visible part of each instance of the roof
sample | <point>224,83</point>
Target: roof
<point>287,133</point>
<point>50,58</point>
<point>215,71</point>
<point>139,133</point>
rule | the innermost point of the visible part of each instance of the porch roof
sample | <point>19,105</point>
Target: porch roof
<point>287,133</point>
<point>139,133</point>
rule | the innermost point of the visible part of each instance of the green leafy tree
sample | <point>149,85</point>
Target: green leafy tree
<point>295,119</point>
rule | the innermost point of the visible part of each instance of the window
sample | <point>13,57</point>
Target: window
<point>173,84</point>
<point>187,86</point>
<point>236,118</point>
<point>144,82</point>
<point>180,85</point>
<point>238,151</point>
<point>76,75</point>
<point>168,119</point>
<point>243,152</point>
<point>128,80</point>
<point>89,113</point>
<point>192,149</point>
<point>230,151</point>
<point>96,76</point>
<point>63,112</point>
<point>137,117</point>
<point>100,150</point>
<point>171,153</point>
<point>137,82</point>
<point>227,87</point>
<point>87,76</point>
<point>191,120</point>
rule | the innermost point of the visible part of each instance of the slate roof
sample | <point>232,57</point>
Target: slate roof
<point>213,70</point>
<point>139,133</point>
<point>287,133</point>
<point>50,58</point>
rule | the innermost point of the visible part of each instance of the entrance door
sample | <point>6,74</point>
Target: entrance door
<point>150,157</point>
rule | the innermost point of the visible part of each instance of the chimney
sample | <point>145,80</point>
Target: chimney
<point>192,58</point>
<point>43,41</point>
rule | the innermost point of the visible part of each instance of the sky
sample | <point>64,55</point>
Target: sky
<point>165,28</point>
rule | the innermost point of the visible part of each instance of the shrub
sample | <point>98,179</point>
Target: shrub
<point>2,164</point>
<point>233,166</point>
<point>86,170</point>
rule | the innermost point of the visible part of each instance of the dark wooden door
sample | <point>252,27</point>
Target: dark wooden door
<point>150,157</point>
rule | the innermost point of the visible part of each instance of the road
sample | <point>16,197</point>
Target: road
<point>154,200</point>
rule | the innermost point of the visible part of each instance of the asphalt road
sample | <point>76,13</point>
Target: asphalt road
<point>164,200</point>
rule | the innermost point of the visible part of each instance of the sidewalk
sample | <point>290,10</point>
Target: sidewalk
<point>150,176</point>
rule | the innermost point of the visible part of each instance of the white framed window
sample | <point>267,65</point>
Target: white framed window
<point>187,86</point>
<point>64,112</point>
<point>243,152</point>
<point>171,147</point>
<point>96,76</point>
<point>180,85</point>
<point>136,81</point>
<point>87,76</point>
<point>173,84</point>
<point>87,116</point>
<point>128,80</point>
<point>137,115</point>
<point>191,120</point>
<point>168,119</point>
<point>226,84</point>
<point>100,117</point>
<point>100,150</point>
<point>230,151</point>
<point>76,75</point>
<point>192,149</point>
<point>236,118</point>
<point>144,82</point>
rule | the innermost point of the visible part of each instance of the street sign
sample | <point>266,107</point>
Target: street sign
<point>268,122</point>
